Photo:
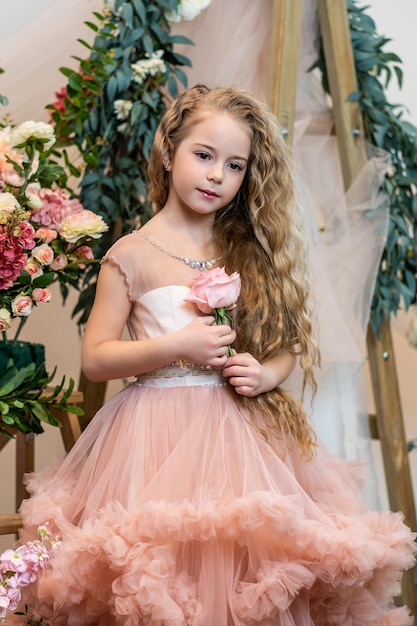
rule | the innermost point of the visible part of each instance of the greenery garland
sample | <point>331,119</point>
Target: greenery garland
<point>396,283</point>
<point>109,111</point>
<point>114,144</point>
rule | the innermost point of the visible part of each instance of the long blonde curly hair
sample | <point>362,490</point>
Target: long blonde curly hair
<point>260,235</point>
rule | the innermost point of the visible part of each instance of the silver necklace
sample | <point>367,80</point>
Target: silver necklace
<point>193,263</point>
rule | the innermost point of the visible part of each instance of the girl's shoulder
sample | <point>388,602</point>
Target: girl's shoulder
<point>131,256</point>
<point>126,246</point>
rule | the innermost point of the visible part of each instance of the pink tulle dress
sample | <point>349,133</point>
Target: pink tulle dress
<point>173,511</point>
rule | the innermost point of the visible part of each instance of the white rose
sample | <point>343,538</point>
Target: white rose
<point>8,201</point>
<point>39,130</point>
<point>5,319</point>
<point>34,202</point>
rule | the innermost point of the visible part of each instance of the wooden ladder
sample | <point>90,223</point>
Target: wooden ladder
<point>334,26</point>
<point>25,458</point>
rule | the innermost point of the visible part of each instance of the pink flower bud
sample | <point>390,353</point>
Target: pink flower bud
<point>59,262</point>
<point>41,295</point>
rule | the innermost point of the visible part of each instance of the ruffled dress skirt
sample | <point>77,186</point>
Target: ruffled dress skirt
<point>173,511</point>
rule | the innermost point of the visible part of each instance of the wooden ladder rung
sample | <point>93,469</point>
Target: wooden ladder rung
<point>10,523</point>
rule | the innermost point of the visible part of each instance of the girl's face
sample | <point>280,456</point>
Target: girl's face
<point>209,165</point>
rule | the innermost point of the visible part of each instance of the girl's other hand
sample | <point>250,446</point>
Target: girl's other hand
<point>245,374</point>
<point>204,342</point>
<point>249,377</point>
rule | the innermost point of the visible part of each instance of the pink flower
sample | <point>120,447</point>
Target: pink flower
<point>84,252</point>
<point>22,306</point>
<point>59,262</point>
<point>215,290</point>
<point>27,236</point>
<point>41,295</point>
<point>11,561</point>
<point>33,268</point>
<point>12,259</point>
<point>57,204</point>
<point>46,234</point>
<point>43,254</point>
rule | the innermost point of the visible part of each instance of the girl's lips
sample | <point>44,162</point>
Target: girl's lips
<point>208,194</point>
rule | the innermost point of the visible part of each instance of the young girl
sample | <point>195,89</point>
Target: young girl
<point>198,496</point>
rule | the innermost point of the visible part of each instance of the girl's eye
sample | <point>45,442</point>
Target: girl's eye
<point>203,156</point>
<point>235,166</point>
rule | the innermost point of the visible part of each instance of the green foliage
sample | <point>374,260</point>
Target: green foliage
<point>113,151</point>
<point>25,402</point>
<point>396,283</point>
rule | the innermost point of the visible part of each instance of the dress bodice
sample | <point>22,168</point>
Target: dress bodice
<point>164,310</point>
<point>160,311</point>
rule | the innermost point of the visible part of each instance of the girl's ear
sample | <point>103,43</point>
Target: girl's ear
<point>167,161</point>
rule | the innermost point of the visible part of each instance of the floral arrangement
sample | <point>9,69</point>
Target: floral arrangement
<point>21,567</point>
<point>215,292</point>
<point>43,232</point>
<point>45,237</point>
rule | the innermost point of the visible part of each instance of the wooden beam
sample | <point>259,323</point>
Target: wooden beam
<point>392,438</point>
<point>94,397</point>
<point>10,524</point>
<point>341,73</point>
<point>286,20</point>
<point>25,462</point>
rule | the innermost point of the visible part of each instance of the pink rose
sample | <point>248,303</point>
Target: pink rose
<point>59,262</point>
<point>22,306</point>
<point>33,269</point>
<point>43,254</point>
<point>215,290</point>
<point>41,295</point>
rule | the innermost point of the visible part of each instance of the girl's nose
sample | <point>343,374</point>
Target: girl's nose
<point>215,173</point>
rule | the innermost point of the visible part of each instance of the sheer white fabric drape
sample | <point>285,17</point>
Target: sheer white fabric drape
<point>346,231</point>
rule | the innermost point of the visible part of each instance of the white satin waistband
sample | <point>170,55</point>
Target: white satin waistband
<point>182,374</point>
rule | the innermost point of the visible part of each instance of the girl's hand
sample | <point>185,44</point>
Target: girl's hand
<point>202,341</point>
<point>249,377</point>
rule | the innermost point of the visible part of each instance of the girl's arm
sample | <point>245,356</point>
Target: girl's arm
<point>250,378</point>
<point>105,356</point>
